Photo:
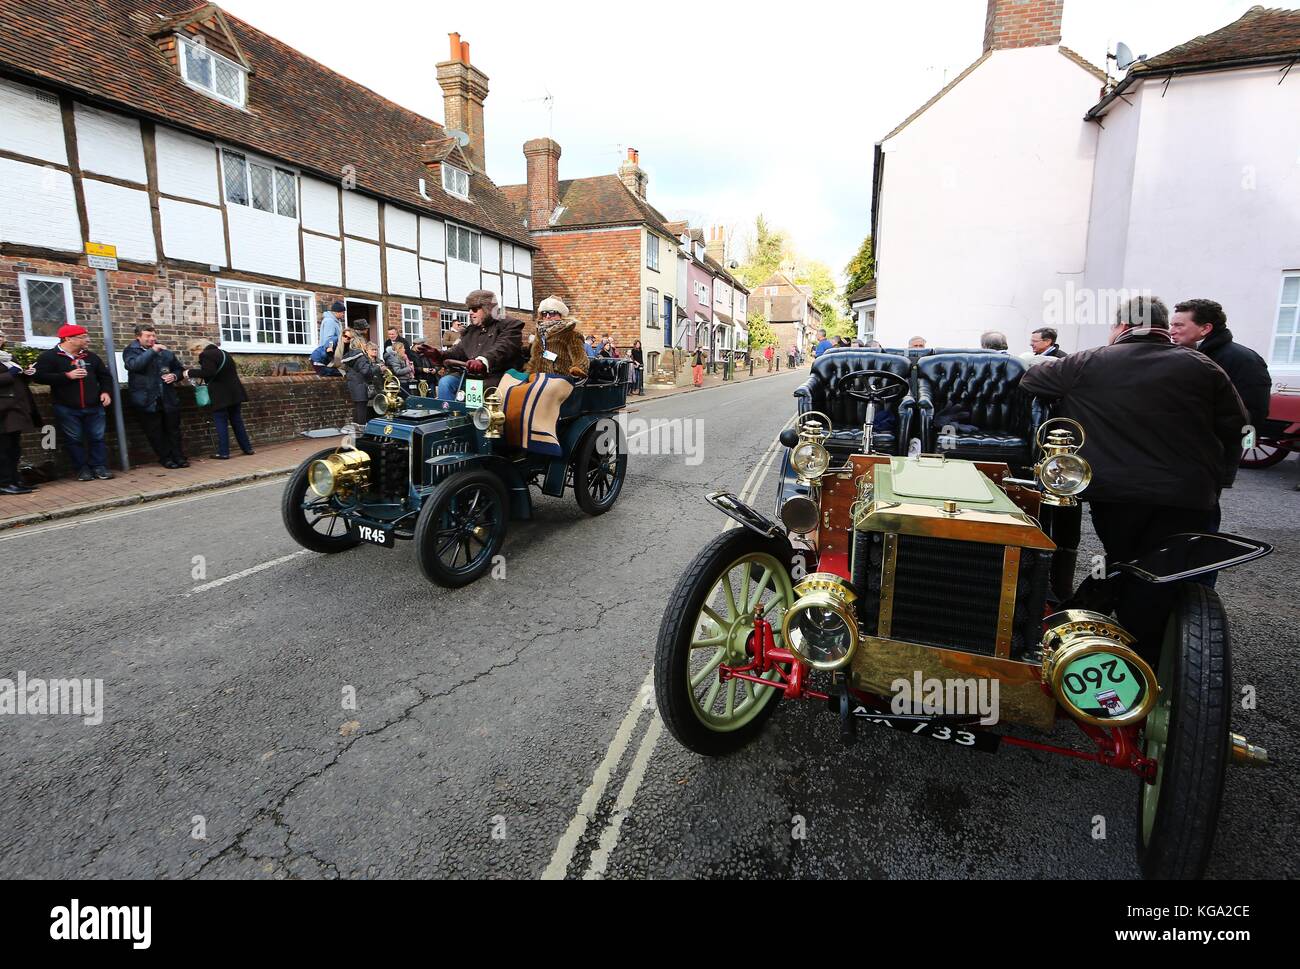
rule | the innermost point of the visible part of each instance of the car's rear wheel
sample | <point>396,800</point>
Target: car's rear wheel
<point>312,521</point>
<point>1187,735</point>
<point>599,467</point>
<point>707,622</point>
<point>461,527</point>
<point>1263,455</point>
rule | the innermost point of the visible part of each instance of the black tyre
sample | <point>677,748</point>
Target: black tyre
<point>461,527</point>
<point>706,624</point>
<point>1187,734</point>
<point>599,467</point>
<point>310,520</point>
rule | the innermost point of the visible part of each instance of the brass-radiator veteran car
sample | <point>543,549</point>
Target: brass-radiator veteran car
<point>919,584</point>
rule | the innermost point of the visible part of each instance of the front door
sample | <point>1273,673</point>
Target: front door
<point>668,321</point>
<point>368,310</point>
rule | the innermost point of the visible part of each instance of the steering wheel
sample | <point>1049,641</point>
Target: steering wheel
<point>879,386</point>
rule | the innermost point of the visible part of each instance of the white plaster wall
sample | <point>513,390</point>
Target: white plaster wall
<point>38,207</point>
<point>985,199</point>
<point>525,291</point>
<point>523,261</point>
<point>360,215</point>
<point>510,284</point>
<point>110,144</point>
<point>31,123</point>
<point>323,260</point>
<point>120,217</point>
<point>491,254</point>
<point>193,232</point>
<point>492,282</point>
<point>433,279</point>
<point>262,242</point>
<point>433,239</point>
<point>399,227</point>
<point>320,206</point>
<point>403,273</point>
<point>362,260</point>
<point>507,257</point>
<point>462,279</point>
<point>187,167</point>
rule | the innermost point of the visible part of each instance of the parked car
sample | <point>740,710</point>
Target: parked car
<point>1280,435</point>
<point>441,474</point>
<point>885,574</point>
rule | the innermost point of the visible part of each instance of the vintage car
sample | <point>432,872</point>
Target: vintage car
<point>1280,435</point>
<point>443,474</point>
<point>903,590</point>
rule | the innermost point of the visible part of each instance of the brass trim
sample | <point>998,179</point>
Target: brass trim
<point>1076,633</point>
<point>1007,602</point>
<point>824,590</point>
<point>885,621</point>
<point>973,525</point>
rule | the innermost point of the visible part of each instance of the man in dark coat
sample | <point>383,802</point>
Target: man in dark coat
<point>80,389</point>
<point>152,373</point>
<point>492,344</point>
<point>1202,325</point>
<point>1164,428</point>
<point>18,414</point>
<point>1043,342</point>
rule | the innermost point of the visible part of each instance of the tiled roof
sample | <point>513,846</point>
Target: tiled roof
<point>594,202</point>
<point>298,110</point>
<point>1259,32</point>
<point>864,292</point>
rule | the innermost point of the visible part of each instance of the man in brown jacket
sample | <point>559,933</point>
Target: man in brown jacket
<point>492,344</point>
<point>1164,428</point>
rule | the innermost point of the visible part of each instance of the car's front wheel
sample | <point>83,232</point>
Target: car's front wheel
<point>310,520</point>
<point>1187,735</point>
<point>461,527</point>
<point>707,623</point>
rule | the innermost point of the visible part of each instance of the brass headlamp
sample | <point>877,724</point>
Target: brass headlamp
<point>1093,671</point>
<point>339,473</point>
<point>490,418</point>
<point>809,456</point>
<point>390,399</point>
<point>1061,471</point>
<point>821,628</point>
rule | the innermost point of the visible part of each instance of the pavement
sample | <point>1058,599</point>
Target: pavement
<point>68,497</point>
<point>275,713</point>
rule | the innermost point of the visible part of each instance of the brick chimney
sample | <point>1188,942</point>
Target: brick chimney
<point>543,158</point>
<point>464,89</point>
<point>716,249</point>
<point>1022,23</point>
<point>631,175</point>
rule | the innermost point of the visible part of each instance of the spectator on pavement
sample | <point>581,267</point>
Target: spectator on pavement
<point>638,368</point>
<point>1202,325</point>
<point>874,346</point>
<point>916,343</point>
<point>18,414</point>
<point>793,359</point>
<point>79,388</point>
<point>823,344</point>
<point>607,348</point>
<point>331,332</point>
<point>1043,342</point>
<point>993,340</point>
<point>362,369</point>
<point>1163,437</point>
<point>590,346</point>
<point>226,394</point>
<point>697,368</point>
<point>768,354</point>
<point>396,359</point>
<point>152,373</point>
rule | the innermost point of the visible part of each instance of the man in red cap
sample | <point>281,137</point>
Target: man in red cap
<point>79,388</point>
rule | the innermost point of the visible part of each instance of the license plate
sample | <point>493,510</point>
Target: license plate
<point>373,534</point>
<point>979,739</point>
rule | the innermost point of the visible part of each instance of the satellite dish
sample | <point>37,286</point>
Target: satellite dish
<point>1124,58</point>
<point>461,137</point>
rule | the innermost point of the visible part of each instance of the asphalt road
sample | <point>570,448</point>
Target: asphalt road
<point>507,729</point>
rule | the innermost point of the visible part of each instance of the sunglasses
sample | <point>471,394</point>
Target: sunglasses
<point>549,314</point>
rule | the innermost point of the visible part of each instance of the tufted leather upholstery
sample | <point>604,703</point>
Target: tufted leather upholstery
<point>822,392</point>
<point>987,386</point>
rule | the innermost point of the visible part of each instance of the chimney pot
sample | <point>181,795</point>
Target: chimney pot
<point>464,51</point>
<point>455,46</point>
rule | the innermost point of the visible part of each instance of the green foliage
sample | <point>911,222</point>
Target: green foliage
<point>760,334</point>
<point>766,251</point>
<point>24,356</point>
<point>861,268</point>
<point>825,296</point>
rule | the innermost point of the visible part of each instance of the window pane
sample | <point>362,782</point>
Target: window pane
<point>47,309</point>
<point>234,168</point>
<point>297,320</point>
<point>474,256</point>
<point>286,193</point>
<point>198,65</point>
<point>268,316</point>
<point>412,322</point>
<point>260,183</point>
<point>1291,290</point>
<point>1283,350</point>
<point>227,77</point>
<point>1286,320</point>
<point>232,306</point>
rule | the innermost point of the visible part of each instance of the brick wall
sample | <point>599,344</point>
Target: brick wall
<point>1022,23</point>
<point>598,274</point>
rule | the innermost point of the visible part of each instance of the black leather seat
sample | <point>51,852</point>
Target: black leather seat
<point>822,391</point>
<point>970,406</point>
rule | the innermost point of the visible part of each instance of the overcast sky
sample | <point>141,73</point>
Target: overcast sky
<point>736,108</point>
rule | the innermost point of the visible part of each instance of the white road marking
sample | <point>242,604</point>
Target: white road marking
<point>568,843</point>
<point>247,572</point>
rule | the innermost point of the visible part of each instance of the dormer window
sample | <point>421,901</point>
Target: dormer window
<point>211,73</point>
<point>455,181</point>
<point>259,185</point>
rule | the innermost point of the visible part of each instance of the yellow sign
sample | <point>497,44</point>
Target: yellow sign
<point>101,249</point>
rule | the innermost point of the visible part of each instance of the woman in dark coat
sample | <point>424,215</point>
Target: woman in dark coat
<point>226,394</point>
<point>18,413</point>
<point>638,367</point>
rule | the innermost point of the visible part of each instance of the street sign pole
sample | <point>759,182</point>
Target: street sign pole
<point>104,258</point>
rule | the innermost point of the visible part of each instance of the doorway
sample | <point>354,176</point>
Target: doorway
<point>371,312</point>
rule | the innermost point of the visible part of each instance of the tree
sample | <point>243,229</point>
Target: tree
<point>861,268</point>
<point>760,334</point>
<point>825,296</point>
<point>763,256</point>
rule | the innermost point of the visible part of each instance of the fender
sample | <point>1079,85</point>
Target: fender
<point>571,438</point>
<point>738,511</point>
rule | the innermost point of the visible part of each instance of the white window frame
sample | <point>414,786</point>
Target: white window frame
<point>653,308</point>
<point>184,46</point>
<point>253,345</point>
<point>652,251</point>
<point>249,161</point>
<point>29,338</point>
<point>476,244</point>
<point>446,318</point>
<point>411,313</point>
<point>453,185</point>
<point>1273,361</point>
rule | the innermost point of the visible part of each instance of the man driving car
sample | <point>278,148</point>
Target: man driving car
<point>490,345</point>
